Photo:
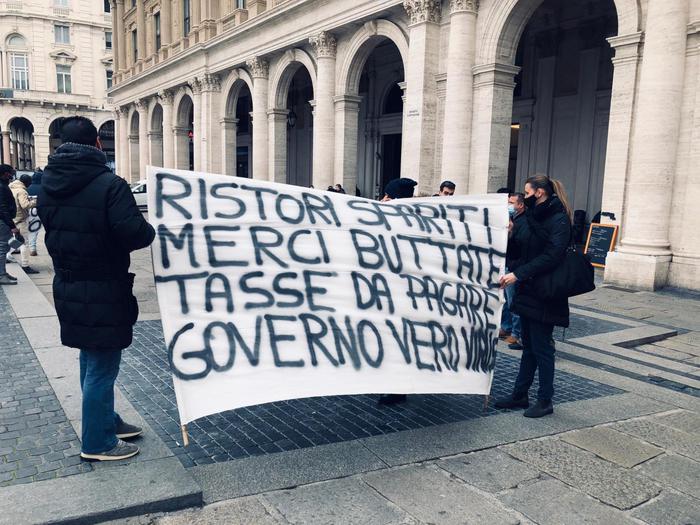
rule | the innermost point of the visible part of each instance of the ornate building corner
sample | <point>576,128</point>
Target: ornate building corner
<point>464,6</point>
<point>211,82</point>
<point>259,67</point>
<point>420,11</point>
<point>324,44</point>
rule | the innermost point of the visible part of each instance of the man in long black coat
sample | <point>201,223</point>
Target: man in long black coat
<point>92,224</point>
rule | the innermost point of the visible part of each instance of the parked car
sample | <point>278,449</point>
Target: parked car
<point>139,191</point>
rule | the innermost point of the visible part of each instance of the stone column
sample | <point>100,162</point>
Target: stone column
<point>42,149</point>
<point>229,128</point>
<point>196,18</point>
<point>418,141</point>
<point>5,146</point>
<point>209,124</point>
<point>347,111</point>
<point>491,120</point>
<point>141,30</point>
<point>626,64</point>
<point>166,23</point>
<point>144,150</point>
<point>121,144</point>
<point>259,69</point>
<point>155,147</point>
<point>643,258</point>
<point>120,41</point>
<point>324,114</point>
<point>166,102</point>
<point>456,137</point>
<point>196,86</point>
<point>116,38</point>
<point>277,151</point>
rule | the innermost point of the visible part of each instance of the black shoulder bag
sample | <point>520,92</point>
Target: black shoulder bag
<point>574,276</point>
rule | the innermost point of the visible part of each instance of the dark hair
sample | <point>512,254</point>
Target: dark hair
<point>551,187</point>
<point>6,168</point>
<point>519,196</point>
<point>79,130</point>
<point>503,190</point>
<point>448,184</point>
<point>26,180</point>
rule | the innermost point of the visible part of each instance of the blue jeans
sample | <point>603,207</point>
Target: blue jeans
<point>538,354</point>
<point>5,235</point>
<point>513,318</point>
<point>98,372</point>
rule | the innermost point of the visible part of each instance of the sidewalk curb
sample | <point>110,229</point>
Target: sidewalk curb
<point>156,481</point>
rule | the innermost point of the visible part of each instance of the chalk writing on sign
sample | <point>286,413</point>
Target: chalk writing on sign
<point>271,292</point>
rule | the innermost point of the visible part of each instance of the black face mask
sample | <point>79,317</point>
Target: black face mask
<point>530,201</point>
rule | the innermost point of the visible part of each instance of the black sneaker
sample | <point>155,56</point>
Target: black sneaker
<point>541,408</point>
<point>392,399</point>
<point>6,279</point>
<point>512,402</point>
<point>127,431</point>
<point>29,270</point>
<point>122,450</point>
<point>516,346</point>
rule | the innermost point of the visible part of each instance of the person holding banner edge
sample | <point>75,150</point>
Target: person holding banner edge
<point>538,252</point>
<point>92,223</point>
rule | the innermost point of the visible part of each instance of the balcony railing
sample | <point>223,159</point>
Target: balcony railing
<point>11,5</point>
<point>61,10</point>
<point>51,97</point>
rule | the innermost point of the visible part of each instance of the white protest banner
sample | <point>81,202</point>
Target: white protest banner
<point>270,292</point>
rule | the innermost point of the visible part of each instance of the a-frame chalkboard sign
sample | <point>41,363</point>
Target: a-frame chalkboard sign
<point>601,240</point>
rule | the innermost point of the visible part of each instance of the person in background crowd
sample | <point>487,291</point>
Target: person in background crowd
<point>447,189</point>
<point>538,252</point>
<point>518,230</point>
<point>396,189</point>
<point>23,205</point>
<point>399,189</point>
<point>339,188</point>
<point>503,190</point>
<point>8,210</point>
<point>34,221</point>
<point>92,223</point>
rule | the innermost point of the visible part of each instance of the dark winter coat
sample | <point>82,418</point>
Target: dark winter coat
<point>36,183</point>
<point>8,208</point>
<point>519,235</point>
<point>92,224</point>
<point>537,253</point>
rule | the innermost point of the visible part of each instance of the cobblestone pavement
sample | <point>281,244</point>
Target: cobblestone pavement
<point>300,423</point>
<point>36,440</point>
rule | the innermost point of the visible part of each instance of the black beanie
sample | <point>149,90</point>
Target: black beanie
<point>400,188</point>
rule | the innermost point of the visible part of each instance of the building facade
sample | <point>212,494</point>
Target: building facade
<point>601,94</point>
<point>55,61</point>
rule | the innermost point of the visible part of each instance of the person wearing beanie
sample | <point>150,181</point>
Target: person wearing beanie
<point>399,189</point>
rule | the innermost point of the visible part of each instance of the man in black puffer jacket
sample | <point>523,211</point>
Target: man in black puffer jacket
<point>92,224</point>
<point>535,253</point>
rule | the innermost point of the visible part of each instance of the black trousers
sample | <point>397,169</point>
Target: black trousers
<point>538,355</point>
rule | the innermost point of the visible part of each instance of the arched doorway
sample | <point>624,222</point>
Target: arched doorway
<point>300,124</point>
<point>380,119</point>
<point>22,144</point>
<point>237,129</point>
<point>134,155</point>
<point>561,100</point>
<point>106,134</point>
<point>184,134</point>
<point>155,135</point>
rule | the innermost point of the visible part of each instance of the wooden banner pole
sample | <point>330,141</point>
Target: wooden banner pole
<point>185,437</point>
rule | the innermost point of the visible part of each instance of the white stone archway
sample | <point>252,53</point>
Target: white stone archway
<point>184,116</point>
<point>134,137</point>
<point>501,24</point>
<point>347,102</point>
<point>155,132</point>
<point>237,81</point>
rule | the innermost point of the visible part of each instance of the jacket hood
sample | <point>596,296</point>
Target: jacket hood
<point>71,168</point>
<point>548,208</point>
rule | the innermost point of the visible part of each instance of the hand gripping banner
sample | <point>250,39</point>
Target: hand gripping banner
<point>270,292</point>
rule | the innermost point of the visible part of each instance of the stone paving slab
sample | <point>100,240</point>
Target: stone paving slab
<point>674,343</point>
<point>258,474</point>
<point>140,487</point>
<point>666,437</point>
<point>670,509</point>
<point>491,470</point>
<point>684,420</point>
<point>431,496</point>
<point>551,502</point>
<point>242,511</point>
<point>613,446</point>
<point>679,472</point>
<point>605,481</point>
<point>667,353</point>
<point>334,502</point>
<point>630,337</point>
